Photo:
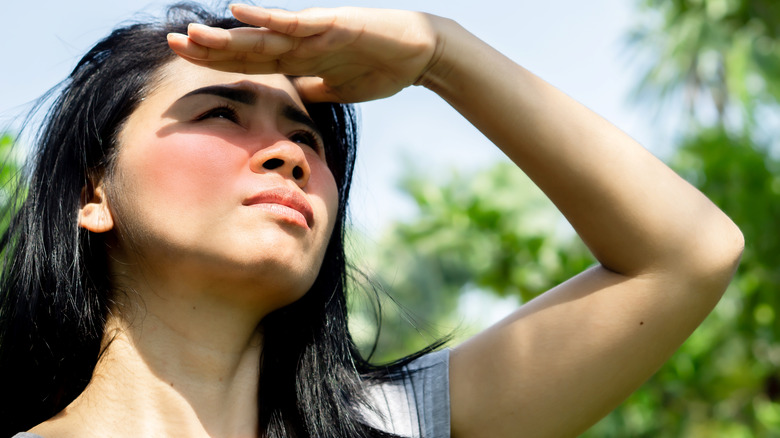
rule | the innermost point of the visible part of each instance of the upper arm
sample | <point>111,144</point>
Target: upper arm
<point>567,358</point>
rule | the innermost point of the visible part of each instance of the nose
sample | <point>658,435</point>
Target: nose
<point>285,158</point>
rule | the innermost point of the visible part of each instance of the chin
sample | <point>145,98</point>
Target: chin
<point>289,276</point>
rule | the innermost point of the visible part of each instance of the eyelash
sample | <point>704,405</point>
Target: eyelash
<point>223,111</point>
<point>228,112</point>
<point>309,139</point>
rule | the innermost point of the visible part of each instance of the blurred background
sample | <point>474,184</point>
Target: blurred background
<point>452,237</point>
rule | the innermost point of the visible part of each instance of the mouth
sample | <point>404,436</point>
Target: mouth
<point>284,203</point>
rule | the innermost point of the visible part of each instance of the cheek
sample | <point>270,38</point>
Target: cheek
<point>185,169</point>
<point>322,185</point>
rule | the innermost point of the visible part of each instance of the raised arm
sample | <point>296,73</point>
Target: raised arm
<point>666,253</point>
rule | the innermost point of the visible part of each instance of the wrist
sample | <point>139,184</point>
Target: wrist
<point>458,60</point>
<point>440,65</point>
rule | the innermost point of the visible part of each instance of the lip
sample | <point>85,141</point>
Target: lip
<point>280,196</point>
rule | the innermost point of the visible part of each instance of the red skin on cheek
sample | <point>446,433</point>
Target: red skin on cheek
<point>192,169</point>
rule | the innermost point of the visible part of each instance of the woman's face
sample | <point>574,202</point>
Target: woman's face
<point>222,178</point>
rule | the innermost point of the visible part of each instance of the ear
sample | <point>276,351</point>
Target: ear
<point>94,214</point>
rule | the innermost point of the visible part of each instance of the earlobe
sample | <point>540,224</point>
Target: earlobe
<point>94,214</point>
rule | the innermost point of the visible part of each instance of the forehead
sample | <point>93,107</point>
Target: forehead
<point>179,77</point>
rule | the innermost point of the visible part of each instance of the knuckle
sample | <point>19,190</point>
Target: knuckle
<point>222,39</point>
<point>259,46</point>
<point>293,26</point>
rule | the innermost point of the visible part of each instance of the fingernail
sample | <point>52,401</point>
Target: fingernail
<point>242,5</point>
<point>196,26</point>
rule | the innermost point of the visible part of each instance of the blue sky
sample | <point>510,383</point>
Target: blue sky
<point>576,45</point>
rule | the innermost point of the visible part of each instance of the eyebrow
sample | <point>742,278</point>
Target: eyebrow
<point>296,115</point>
<point>241,95</point>
<point>249,97</point>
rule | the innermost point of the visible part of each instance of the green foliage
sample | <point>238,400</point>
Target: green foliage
<point>516,243</point>
<point>493,231</point>
<point>8,170</point>
<point>720,56</point>
<point>9,176</point>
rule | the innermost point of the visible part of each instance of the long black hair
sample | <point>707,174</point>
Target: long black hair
<point>55,284</point>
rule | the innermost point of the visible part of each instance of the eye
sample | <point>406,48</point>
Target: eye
<point>307,138</point>
<point>220,112</point>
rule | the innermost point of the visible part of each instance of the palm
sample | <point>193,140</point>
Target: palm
<point>342,54</point>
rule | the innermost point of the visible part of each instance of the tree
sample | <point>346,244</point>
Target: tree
<point>719,57</point>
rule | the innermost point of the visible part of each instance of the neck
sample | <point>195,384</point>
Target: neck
<point>171,367</point>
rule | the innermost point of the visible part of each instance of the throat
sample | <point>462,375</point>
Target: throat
<point>152,379</point>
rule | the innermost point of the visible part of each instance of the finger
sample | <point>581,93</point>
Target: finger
<point>242,39</point>
<point>239,62</point>
<point>312,89</point>
<point>185,47</point>
<point>190,50</point>
<point>269,67</point>
<point>298,24</point>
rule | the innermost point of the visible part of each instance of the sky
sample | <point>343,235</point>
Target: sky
<point>578,46</point>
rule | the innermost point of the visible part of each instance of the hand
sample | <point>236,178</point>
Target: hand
<point>339,55</point>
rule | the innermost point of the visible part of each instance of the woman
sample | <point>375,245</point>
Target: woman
<point>180,251</point>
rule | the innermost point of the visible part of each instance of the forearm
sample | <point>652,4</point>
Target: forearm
<point>636,215</point>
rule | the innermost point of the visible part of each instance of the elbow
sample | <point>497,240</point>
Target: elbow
<point>719,258</point>
<point>738,244</point>
<point>732,247</point>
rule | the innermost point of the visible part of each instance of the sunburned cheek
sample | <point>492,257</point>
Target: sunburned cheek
<point>330,197</point>
<point>191,168</point>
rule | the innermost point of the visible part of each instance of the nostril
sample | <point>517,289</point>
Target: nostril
<point>297,172</point>
<point>274,163</point>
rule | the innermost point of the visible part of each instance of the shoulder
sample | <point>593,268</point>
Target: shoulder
<point>417,403</point>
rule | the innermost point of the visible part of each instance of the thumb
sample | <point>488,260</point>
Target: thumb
<point>312,89</point>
